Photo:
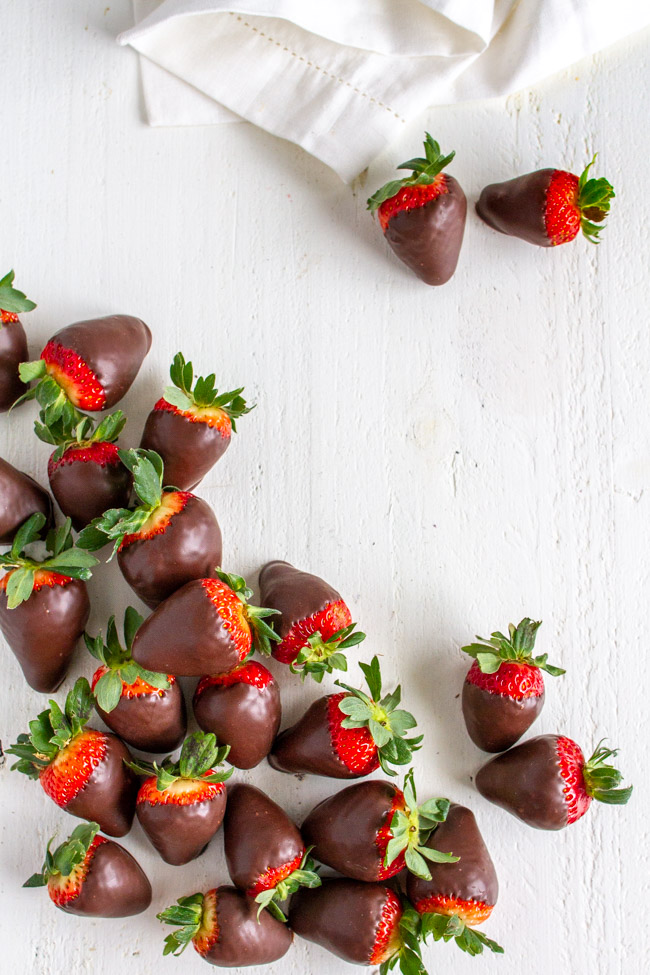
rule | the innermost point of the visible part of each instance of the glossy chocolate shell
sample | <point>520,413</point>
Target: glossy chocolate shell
<point>296,594</point>
<point>258,835</point>
<point>20,497</point>
<point>495,722</point>
<point>181,833</point>
<point>115,885</point>
<point>517,207</point>
<point>153,722</point>
<point>13,351</point>
<point>243,716</point>
<point>108,797</point>
<point>342,916</point>
<point>85,489</point>
<point>188,448</point>
<point>243,940</point>
<point>307,747</point>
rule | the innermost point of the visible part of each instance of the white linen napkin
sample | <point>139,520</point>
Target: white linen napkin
<point>340,77</point>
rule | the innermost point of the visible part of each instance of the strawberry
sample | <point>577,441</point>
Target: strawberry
<point>547,207</point>
<point>546,782</point>
<point>13,341</point>
<point>503,691</point>
<point>91,876</point>
<point>169,539</point>
<point>224,928</point>
<point>20,497</point>
<point>371,830</point>
<point>423,215</point>
<point>314,623</point>
<point>190,427</point>
<point>266,856</point>
<point>242,709</point>
<point>82,770</point>
<point>349,735</point>
<point>146,710</point>
<point>181,804</point>
<point>205,627</point>
<point>44,605</point>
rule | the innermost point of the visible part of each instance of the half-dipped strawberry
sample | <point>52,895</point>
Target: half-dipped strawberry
<point>423,215</point>
<point>461,894</point>
<point>503,691</point>
<point>224,927</point>
<point>82,770</point>
<point>20,497</point>
<point>13,341</point>
<point>547,207</point>
<point>44,604</point>
<point>145,709</point>
<point>169,539</point>
<point>314,625</point>
<point>372,830</point>
<point>181,805</point>
<point>349,735</point>
<point>191,426</point>
<point>266,856</point>
<point>207,627</point>
<point>91,876</point>
<point>242,709</point>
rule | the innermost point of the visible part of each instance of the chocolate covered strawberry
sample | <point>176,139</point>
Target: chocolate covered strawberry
<point>191,425</point>
<point>314,625</point>
<point>181,805</point>
<point>91,876</point>
<point>349,735</point>
<point>82,770</point>
<point>547,783</point>
<point>207,627</point>
<point>171,538</point>
<point>20,497</point>
<point>266,856</point>
<point>86,474</point>
<point>44,603</point>
<point>423,215</point>
<point>547,207</point>
<point>461,894</point>
<point>13,341</point>
<point>224,927</point>
<point>372,830</point>
<point>242,708</point>
<point>147,710</point>
<point>503,691</point>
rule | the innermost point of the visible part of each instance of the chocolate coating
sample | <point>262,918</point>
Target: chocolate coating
<point>20,497</point>
<point>181,833</point>
<point>526,782</point>
<point>113,347</point>
<point>342,916</point>
<point>108,797</point>
<point>185,636</point>
<point>44,630</point>
<point>13,351</point>
<point>243,716</point>
<point>115,885</point>
<point>428,239</point>
<point>307,747</point>
<point>152,722</point>
<point>189,449</point>
<point>243,940</point>
<point>343,829</point>
<point>495,722</point>
<point>85,489</point>
<point>258,835</point>
<point>517,206</point>
<point>189,548</point>
<point>472,878</point>
<point>296,594</point>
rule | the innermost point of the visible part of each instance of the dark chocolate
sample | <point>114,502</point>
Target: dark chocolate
<point>342,916</point>
<point>258,835</point>
<point>181,833</point>
<point>296,594</point>
<point>307,746</point>
<point>109,795</point>
<point>153,722</point>
<point>241,715</point>
<point>20,497</point>
<point>243,939</point>
<point>85,489</point>
<point>517,207</point>
<point>13,351</point>
<point>115,885</point>
<point>495,722</point>
<point>189,449</point>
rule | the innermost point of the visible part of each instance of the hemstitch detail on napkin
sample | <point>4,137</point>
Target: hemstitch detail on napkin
<point>317,67</point>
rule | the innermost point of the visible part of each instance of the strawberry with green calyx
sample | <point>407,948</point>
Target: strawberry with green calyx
<point>91,876</point>
<point>82,770</point>
<point>170,538</point>
<point>423,215</point>
<point>13,341</point>
<point>191,426</point>
<point>181,804</point>
<point>44,604</point>
<point>147,710</point>
<point>20,497</point>
<point>503,692</point>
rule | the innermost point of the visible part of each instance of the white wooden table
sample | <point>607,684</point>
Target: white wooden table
<point>450,458</point>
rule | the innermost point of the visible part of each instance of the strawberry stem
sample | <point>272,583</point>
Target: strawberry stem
<point>601,780</point>
<point>594,196</point>
<point>517,647</point>
<point>425,170</point>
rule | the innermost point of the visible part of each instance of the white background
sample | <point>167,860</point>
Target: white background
<point>450,459</point>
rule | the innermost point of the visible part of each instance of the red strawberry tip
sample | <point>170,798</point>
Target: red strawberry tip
<point>425,171</point>
<point>67,856</point>
<point>263,634</point>
<point>305,875</point>
<point>78,431</point>
<point>319,656</point>
<point>601,780</point>
<point>517,647</point>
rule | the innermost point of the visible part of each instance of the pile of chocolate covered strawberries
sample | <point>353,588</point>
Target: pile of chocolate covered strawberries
<point>407,870</point>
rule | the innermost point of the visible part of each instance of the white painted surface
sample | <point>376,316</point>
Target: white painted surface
<point>451,459</point>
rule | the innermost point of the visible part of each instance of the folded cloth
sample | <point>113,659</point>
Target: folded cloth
<point>339,78</point>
